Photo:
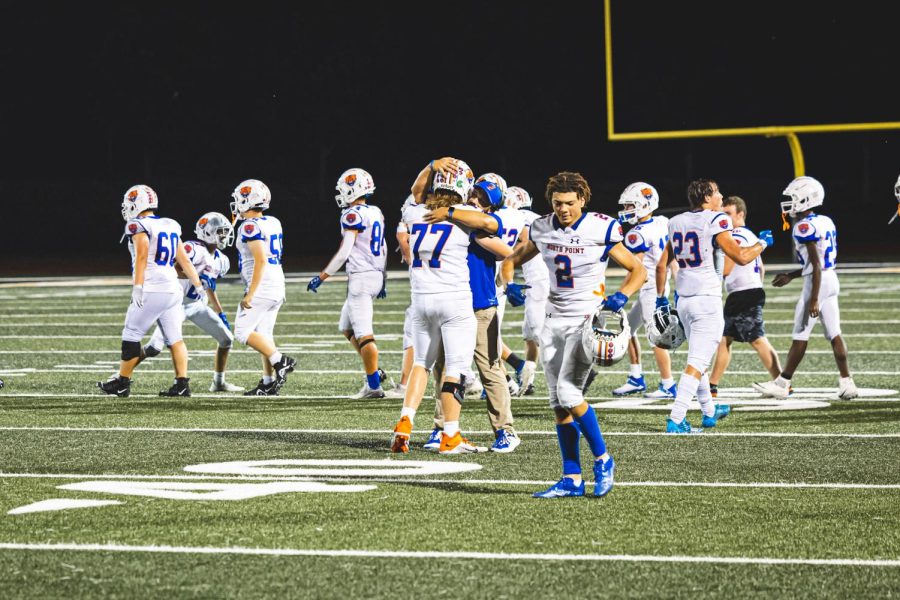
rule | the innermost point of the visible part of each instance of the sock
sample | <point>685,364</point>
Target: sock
<point>515,362</point>
<point>667,383</point>
<point>218,378</point>
<point>568,435</point>
<point>590,427</point>
<point>845,380</point>
<point>407,411</point>
<point>267,379</point>
<point>374,380</point>
<point>275,358</point>
<point>704,397</point>
<point>785,383</point>
<point>451,428</point>
<point>635,370</point>
<point>687,387</point>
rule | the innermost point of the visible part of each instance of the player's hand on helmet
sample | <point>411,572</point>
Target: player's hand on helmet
<point>448,164</point>
<point>437,215</point>
<point>515,293</point>
<point>224,318</point>
<point>782,279</point>
<point>383,293</point>
<point>615,302</point>
<point>246,302</point>
<point>137,295</point>
<point>662,302</point>
<point>314,284</point>
<point>765,238</point>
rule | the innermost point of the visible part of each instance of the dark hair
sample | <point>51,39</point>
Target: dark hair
<point>698,190</point>
<point>567,181</point>
<point>482,197</point>
<point>737,202</point>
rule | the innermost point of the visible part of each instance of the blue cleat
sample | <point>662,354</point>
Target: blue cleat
<point>663,393</point>
<point>682,428</point>
<point>434,440</point>
<point>563,488</point>
<point>603,476</point>
<point>722,411</point>
<point>634,385</point>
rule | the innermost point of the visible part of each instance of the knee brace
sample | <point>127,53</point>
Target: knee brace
<point>457,389</point>
<point>149,351</point>
<point>363,344</point>
<point>130,350</point>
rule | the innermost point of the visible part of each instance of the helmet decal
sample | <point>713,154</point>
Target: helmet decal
<point>245,191</point>
<point>350,179</point>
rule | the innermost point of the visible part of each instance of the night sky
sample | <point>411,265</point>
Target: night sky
<point>191,98</point>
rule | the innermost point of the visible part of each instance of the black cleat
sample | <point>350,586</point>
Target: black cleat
<point>263,389</point>
<point>529,391</point>
<point>179,388</point>
<point>282,368</point>
<point>116,386</point>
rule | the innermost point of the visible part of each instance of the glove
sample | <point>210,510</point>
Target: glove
<point>765,238</point>
<point>383,293</point>
<point>208,281</point>
<point>615,302</point>
<point>314,284</point>
<point>662,302</point>
<point>515,293</point>
<point>137,295</point>
<point>225,320</point>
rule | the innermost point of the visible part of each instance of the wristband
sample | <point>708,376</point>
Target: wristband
<point>450,213</point>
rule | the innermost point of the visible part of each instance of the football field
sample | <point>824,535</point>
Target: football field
<point>221,495</point>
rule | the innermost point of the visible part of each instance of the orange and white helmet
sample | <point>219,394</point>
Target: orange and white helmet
<point>250,194</point>
<point>459,181</point>
<point>804,193</point>
<point>352,185</point>
<point>605,336</point>
<point>643,199</point>
<point>517,197</point>
<point>214,228</point>
<point>137,199</point>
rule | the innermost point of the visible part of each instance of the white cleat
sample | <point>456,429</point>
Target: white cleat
<point>527,376</point>
<point>224,387</point>
<point>773,389</point>
<point>847,389</point>
<point>396,392</point>
<point>473,386</point>
<point>368,392</point>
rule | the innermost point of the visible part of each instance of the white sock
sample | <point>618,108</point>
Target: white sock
<point>635,370</point>
<point>407,411</point>
<point>781,381</point>
<point>451,428</point>
<point>275,357</point>
<point>846,380</point>
<point>267,379</point>
<point>687,388</point>
<point>218,378</point>
<point>667,383</point>
<point>704,397</point>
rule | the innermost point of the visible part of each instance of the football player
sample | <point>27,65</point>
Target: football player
<point>745,301</point>
<point>576,246</point>
<point>693,237</point>
<point>897,195</point>
<point>647,241</point>
<point>815,243</point>
<point>260,244</point>
<point>155,246</point>
<point>215,233</point>
<point>363,249</point>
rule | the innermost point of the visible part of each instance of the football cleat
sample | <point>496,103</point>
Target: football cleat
<point>224,387</point>
<point>847,389</point>
<point>398,391</point>
<point>458,445</point>
<point>603,476</point>
<point>368,392</point>
<point>116,386</point>
<point>506,442</point>
<point>179,389</point>
<point>434,440</point>
<point>663,393</point>
<point>263,389</point>
<point>526,377</point>
<point>400,439</point>
<point>529,391</point>
<point>564,488</point>
<point>385,379</point>
<point>473,386</point>
<point>722,411</point>
<point>634,385</point>
<point>773,389</point>
<point>282,368</point>
<point>592,375</point>
<point>680,428</point>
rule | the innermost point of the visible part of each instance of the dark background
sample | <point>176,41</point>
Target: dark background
<point>191,98</point>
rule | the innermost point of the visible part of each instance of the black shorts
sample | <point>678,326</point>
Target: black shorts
<point>744,315</point>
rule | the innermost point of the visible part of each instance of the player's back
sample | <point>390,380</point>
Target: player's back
<point>266,229</point>
<point>164,235</point>
<point>744,277</point>
<point>649,237</point>
<point>820,230</point>
<point>439,256</point>
<point>535,269</point>
<point>368,253</point>
<point>692,235</point>
<point>513,225</point>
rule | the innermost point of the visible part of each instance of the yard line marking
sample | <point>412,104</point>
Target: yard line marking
<point>506,323</point>
<point>95,369</point>
<point>192,352</point>
<point>460,554</point>
<point>326,336</point>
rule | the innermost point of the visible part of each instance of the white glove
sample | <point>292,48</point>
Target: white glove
<point>137,296</point>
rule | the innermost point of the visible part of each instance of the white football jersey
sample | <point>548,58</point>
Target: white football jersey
<point>164,235</point>
<point>266,229</point>
<point>368,252</point>
<point>693,238</point>
<point>649,237</point>
<point>440,254</point>
<point>577,257</point>
<point>535,269</point>
<point>214,265</point>
<point>821,230</point>
<point>513,225</point>
<point>402,227</point>
<point>749,276</point>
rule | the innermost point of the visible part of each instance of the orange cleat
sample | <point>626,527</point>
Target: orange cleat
<point>458,445</point>
<point>400,439</point>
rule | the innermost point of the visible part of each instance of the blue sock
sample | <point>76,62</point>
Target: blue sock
<point>591,430</point>
<point>374,380</point>
<point>569,434</point>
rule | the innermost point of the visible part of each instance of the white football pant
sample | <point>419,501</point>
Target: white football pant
<point>447,317</point>
<point>704,322</point>
<point>203,317</point>
<point>566,366</point>
<point>162,308</point>
<point>356,314</point>
<point>829,311</point>
<point>260,319</point>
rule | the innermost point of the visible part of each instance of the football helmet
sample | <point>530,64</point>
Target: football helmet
<point>214,228</point>
<point>804,193</point>
<point>897,189</point>
<point>605,336</point>
<point>460,182</point>
<point>352,185</point>
<point>642,197</point>
<point>494,178</point>
<point>517,197</point>
<point>137,199</point>
<point>665,329</point>
<point>250,194</point>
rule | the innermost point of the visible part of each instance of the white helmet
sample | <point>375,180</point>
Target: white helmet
<point>644,200</point>
<point>517,197</point>
<point>665,329</point>
<point>804,193</point>
<point>495,179</point>
<point>137,199</point>
<point>250,194</point>
<point>214,228</point>
<point>605,336</point>
<point>460,182</point>
<point>897,189</point>
<point>352,185</point>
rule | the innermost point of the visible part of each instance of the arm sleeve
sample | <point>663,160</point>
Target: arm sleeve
<point>342,254</point>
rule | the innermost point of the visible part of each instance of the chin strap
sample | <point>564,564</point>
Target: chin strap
<point>784,223</point>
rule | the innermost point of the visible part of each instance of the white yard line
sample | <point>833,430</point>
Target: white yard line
<point>113,350</point>
<point>320,336</point>
<point>459,554</point>
<point>95,369</point>
<point>506,323</point>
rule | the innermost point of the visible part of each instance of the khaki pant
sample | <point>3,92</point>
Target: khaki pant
<point>490,369</point>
